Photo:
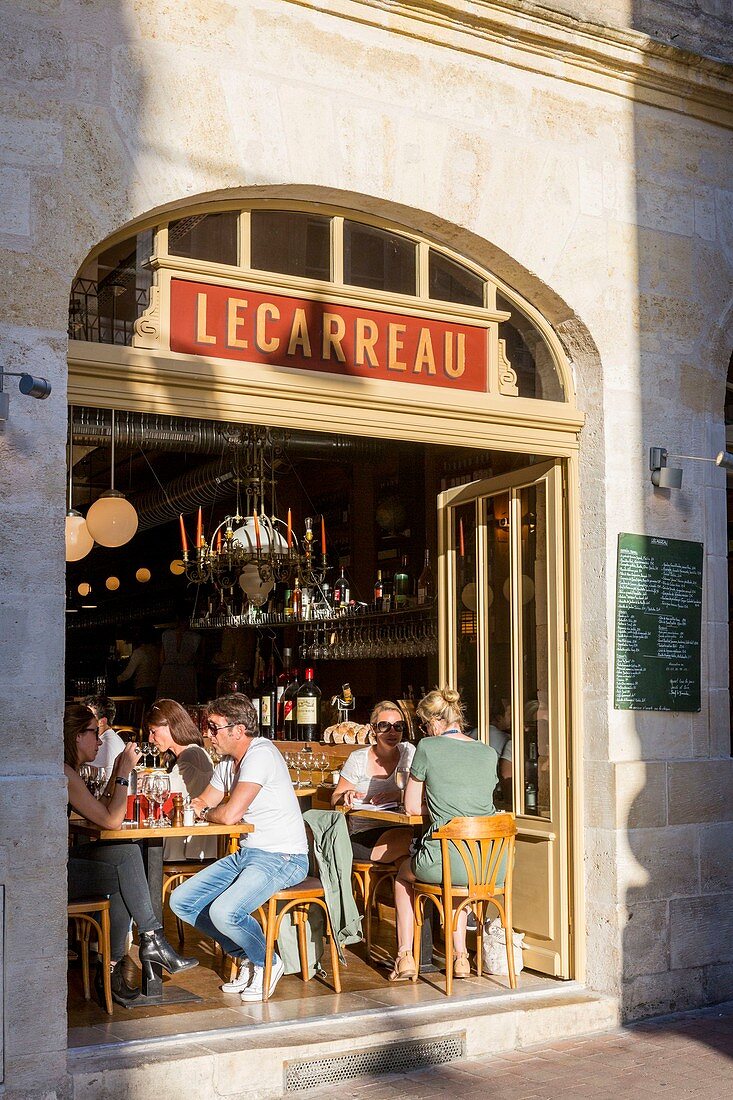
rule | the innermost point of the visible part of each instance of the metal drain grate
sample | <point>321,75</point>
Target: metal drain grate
<point>398,1058</point>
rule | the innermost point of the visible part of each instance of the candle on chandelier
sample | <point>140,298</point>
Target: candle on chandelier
<point>323,536</point>
<point>199,529</point>
<point>257,530</point>
<point>460,538</point>
<point>290,529</point>
<point>184,540</point>
<point>218,541</point>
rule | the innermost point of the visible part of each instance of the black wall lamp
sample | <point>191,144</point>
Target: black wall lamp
<point>670,477</point>
<point>29,385</point>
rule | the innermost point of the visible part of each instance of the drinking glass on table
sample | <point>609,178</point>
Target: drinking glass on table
<point>401,776</point>
<point>99,780</point>
<point>303,766</point>
<point>161,789</point>
<point>145,787</point>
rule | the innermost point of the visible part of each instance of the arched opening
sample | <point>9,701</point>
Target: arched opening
<point>400,403</point>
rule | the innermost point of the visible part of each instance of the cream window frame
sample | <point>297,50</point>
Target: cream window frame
<point>402,303</point>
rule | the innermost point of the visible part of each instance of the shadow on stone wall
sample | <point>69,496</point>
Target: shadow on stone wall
<point>676,864</point>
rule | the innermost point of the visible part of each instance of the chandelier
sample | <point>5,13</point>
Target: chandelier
<point>254,547</point>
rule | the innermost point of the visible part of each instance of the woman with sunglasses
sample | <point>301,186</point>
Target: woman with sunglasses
<point>369,775</point>
<point>451,776</point>
<point>111,868</point>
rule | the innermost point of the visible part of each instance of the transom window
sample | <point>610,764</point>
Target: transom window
<point>112,290</point>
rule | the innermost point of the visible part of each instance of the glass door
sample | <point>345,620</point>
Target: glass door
<point>502,598</point>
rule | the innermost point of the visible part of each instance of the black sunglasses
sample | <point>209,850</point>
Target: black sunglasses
<point>385,727</point>
<point>213,730</point>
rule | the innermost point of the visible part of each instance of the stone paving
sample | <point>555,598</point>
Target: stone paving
<point>689,1055</point>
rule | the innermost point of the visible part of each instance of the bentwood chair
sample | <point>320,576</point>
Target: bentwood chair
<point>486,847</point>
<point>84,913</point>
<point>367,876</point>
<point>130,714</point>
<point>296,900</point>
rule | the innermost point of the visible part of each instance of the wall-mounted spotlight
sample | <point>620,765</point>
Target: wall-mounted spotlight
<point>670,477</point>
<point>29,385</point>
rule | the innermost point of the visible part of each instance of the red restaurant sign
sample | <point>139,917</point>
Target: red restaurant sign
<point>255,327</point>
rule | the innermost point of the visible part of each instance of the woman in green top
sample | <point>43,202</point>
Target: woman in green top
<point>451,776</point>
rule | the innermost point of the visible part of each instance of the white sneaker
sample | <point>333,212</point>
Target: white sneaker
<point>242,980</point>
<point>253,992</point>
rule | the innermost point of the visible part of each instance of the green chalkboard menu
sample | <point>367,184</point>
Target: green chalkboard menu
<point>658,624</point>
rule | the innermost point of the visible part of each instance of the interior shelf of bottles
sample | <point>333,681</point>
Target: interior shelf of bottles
<point>339,620</point>
<point>402,612</point>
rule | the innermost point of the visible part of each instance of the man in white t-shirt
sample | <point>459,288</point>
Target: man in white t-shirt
<point>112,744</point>
<point>220,899</point>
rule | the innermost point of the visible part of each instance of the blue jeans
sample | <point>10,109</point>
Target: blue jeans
<point>220,899</point>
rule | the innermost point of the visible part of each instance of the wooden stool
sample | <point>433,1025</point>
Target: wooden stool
<point>486,847</point>
<point>297,900</point>
<point>84,923</point>
<point>367,876</point>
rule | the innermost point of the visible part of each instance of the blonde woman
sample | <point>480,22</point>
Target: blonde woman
<point>370,775</point>
<point>451,776</point>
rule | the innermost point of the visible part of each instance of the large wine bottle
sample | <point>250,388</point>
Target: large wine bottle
<point>268,703</point>
<point>282,682</point>
<point>308,709</point>
<point>287,709</point>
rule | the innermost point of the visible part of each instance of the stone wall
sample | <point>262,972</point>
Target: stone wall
<point>611,214</point>
<point>701,26</point>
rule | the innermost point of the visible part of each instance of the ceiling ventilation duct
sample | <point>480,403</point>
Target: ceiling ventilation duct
<point>214,481</point>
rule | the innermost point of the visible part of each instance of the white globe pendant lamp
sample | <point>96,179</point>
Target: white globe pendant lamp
<point>78,540</point>
<point>112,520</point>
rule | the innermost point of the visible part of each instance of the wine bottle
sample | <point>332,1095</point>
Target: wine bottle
<point>282,682</point>
<point>268,702</point>
<point>297,599</point>
<point>341,590</point>
<point>425,583</point>
<point>308,709</point>
<point>402,585</point>
<point>254,696</point>
<point>378,590</point>
<point>288,708</point>
<point>387,601</point>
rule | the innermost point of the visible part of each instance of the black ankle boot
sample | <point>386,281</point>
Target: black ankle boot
<point>154,948</point>
<point>122,993</point>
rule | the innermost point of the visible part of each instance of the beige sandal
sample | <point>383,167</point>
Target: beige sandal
<point>461,965</point>
<point>404,967</point>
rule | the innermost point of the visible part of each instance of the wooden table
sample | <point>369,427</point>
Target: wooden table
<point>152,846</point>
<point>389,817</point>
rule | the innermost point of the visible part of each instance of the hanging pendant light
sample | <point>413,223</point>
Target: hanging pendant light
<point>78,540</point>
<point>112,520</point>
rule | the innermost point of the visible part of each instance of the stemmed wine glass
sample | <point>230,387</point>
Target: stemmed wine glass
<point>160,790</point>
<point>145,787</point>
<point>401,776</point>
<point>304,765</point>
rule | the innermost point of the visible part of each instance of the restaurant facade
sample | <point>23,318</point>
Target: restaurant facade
<point>506,231</point>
